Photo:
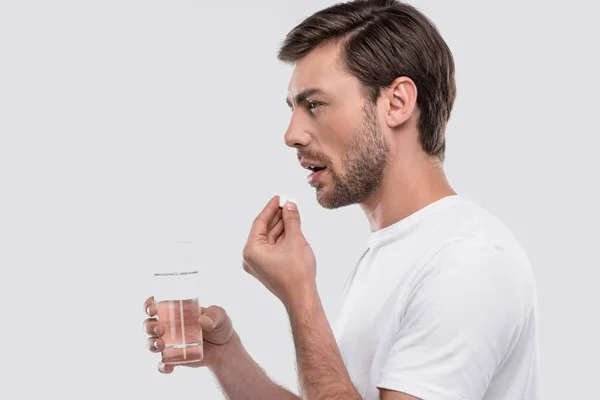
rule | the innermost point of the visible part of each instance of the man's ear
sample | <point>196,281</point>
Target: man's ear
<point>400,101</point>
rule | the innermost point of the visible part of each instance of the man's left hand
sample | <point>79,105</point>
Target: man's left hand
<point>278,255</point>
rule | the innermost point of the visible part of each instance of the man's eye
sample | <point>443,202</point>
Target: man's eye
<point>312,105</point>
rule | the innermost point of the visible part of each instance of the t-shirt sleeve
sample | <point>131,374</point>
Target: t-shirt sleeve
<point>458,325</point>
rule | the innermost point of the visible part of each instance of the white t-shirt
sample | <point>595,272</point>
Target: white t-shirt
<point>442,306</point>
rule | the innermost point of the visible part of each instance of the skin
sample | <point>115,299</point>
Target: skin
<point>373,158</point>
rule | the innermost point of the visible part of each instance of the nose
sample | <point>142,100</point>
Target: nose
<point>297,134</point>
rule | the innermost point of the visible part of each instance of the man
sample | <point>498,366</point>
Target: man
<point>442,304</point>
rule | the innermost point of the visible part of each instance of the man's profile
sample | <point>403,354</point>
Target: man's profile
<point>442,303</point>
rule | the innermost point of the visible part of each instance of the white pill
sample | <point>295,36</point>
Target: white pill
<point>282,200</point>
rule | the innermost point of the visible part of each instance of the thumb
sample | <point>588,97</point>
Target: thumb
<point>291,218</point>
<point>216,325</point>
<point>213,318</point>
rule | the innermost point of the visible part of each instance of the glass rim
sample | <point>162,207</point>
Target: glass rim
<point>175,273</point>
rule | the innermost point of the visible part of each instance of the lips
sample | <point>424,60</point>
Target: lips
<point>316,168</point>
<point>315,176</point>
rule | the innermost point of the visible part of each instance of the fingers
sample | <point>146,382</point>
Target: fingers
<point>276,232</point>
<point>275,220</point>
<point>165,368</point>
<point>152,327</point>
<point>150,307</point>
<point>281,238</point>
<point>261,222</point>
<point>155,345</point>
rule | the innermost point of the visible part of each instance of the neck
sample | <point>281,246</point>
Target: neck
<point>406,189</point>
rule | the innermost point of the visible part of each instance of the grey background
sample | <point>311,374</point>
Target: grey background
<point>124,123</point>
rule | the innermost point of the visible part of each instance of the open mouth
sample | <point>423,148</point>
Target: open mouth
<point>315,169</point>
<point>311,166</point>
<point>316,172</point>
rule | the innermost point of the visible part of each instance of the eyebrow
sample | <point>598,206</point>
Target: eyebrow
<point>303,95</point>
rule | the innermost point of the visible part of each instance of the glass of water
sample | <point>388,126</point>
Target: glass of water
<point>176,297</point>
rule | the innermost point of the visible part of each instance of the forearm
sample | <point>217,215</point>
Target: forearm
<point>240,377</point>
<point>323,374</point>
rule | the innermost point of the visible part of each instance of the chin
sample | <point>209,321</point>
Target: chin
<point>329,201</point>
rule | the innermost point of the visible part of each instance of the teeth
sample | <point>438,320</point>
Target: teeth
<point>311,167</point>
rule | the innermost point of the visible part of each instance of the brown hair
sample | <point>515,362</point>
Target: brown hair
<point>383,40</point>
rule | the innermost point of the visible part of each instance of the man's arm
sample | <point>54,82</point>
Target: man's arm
<point>385,394</point>
<point>240,377</point>
<point>322,372</point>
<point>280,257</point>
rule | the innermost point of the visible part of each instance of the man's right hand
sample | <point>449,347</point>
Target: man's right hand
<point>217,330</point>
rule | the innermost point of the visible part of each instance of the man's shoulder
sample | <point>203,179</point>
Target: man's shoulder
<point>486,268</point>
<point>472,229</point>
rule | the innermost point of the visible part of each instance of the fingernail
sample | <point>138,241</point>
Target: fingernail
<point>156,330</point>
<point>148,310</point>
<point>155,344</point>
<point>291,206</point>
<point>212,323</point>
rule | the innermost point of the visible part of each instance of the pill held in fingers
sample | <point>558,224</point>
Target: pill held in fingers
<point>283,199</point>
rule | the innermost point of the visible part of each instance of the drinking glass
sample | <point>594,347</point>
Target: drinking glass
<point>176,298</point>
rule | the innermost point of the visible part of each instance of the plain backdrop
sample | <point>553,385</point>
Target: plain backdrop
<point>125,122</point>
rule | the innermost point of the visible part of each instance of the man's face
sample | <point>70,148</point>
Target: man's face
<point>335,126</point>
